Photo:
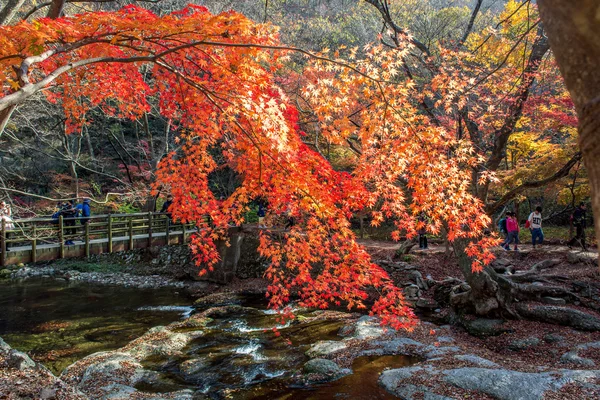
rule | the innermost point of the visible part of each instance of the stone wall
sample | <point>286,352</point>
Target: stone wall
<point>240,260</point>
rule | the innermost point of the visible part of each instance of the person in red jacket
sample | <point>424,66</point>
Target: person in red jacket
<point>512,227</point>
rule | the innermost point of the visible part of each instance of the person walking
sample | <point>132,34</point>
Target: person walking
<point>84,211</point>
<point>261,215</point>
<point>166,205</point>
<point>69,214</point>
<point>502,226</point>
<point>535,226</point>
<point>512,227</point>
<point>578,219</point>
<point>423,232</point>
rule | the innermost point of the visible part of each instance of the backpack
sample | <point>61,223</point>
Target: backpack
<point>502,225</point>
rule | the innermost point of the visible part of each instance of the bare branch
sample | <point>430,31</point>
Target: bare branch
<point>561,173</point>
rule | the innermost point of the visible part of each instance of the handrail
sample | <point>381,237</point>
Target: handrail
<point>95,216</point>
<point>101,233</point>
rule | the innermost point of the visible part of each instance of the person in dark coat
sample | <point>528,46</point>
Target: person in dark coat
<point>578,219</point>
<point>166,205</point>
<point>69,213</point>
<point>423,233</point>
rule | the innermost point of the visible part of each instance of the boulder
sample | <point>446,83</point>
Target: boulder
<point>19,360</point>
<point>412,292</point>
<point>392,381</point>
<point>326,368</point>
<point>505,384</point>
<point>367,327</point>
<point>523,344</point>
<point>325,347</point>
<point>476,360</point>
<point>193,366</point>
<point>553,338</point>
<point>574,358</point>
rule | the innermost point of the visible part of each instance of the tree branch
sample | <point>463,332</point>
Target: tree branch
<point>471,21</point>
<point>561,173</point>
<point>385,13</point>
<point>539,50</point>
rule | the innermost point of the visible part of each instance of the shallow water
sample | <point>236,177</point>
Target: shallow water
<point>58,323</point>
<point>238,355</point>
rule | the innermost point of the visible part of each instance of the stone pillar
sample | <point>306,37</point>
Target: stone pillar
<point>225,269</point>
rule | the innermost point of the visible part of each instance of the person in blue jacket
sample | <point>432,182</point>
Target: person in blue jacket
<point>84,211</point>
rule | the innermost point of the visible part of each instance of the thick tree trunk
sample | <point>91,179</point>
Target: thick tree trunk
<point>574,35</point>
<point>483,295</point>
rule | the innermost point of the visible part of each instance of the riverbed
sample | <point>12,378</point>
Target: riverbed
<point>58,323</point>
<point>238,355</point>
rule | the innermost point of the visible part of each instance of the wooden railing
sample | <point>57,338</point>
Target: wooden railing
<point>103,232</point>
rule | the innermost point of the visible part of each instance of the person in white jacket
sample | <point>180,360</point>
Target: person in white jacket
<point>535,225</point>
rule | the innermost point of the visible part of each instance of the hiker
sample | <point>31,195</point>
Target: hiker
<point>422,233</point>
<point>512,227</point>
<point>6,216</point>
<point>261,215</point>
<point>166,205</point>
<point>69,214</point>
<point>534,223</point>
<point>578,219</point>
<point>84,210</point>
<point>502,226</point>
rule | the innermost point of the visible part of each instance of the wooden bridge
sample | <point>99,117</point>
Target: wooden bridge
<point>44,239</point>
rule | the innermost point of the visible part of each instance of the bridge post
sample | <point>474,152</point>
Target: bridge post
<point>168,226</point>
<point>3,244</point>
<point>183,234</point>
<point>61,237</point>
<point>110,234</point>
<point>34,244</point>
<point>150,229</point>
<point>87,240</point>
<point>130,223</point>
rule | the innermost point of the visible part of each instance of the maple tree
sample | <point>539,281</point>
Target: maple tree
<point>428,134</point>
<point>460,103</point>
<point>212,74</point>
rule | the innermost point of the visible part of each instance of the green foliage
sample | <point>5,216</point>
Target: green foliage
<point>251,215</point>
<point>128,208</point>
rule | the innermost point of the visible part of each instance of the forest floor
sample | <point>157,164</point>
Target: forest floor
<point>518,345</point>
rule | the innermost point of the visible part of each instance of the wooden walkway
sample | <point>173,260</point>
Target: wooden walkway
<point>45,239</point>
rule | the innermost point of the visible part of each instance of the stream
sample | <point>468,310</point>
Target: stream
<point>237,356</point>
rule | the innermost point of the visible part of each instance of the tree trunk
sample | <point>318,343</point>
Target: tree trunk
<point>572,28</point>
<point>5,117</point>
<point>8,12</point>
<point>483,295</point>
<point>56,9</point>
